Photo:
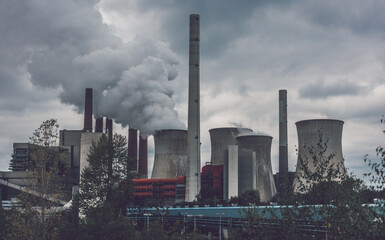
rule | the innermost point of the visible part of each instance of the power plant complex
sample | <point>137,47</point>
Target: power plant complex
<point>240,158</point>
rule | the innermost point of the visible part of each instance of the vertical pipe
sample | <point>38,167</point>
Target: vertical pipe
<point>283,153</point>
<point>110,149</point>
<point>142,168</point>
<point>132,150</point>
<point>88,111</point>
<point>193,135</point>
<point>99,125</point>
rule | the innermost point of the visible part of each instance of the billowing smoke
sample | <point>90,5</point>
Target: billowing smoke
<point>64,44</point>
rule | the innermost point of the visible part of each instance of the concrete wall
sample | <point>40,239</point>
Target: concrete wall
<point>170,159</point>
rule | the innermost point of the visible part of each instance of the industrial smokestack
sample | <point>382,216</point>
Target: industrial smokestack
<point>110,149</point>
<point>319,152</point>
<point>132,150</point>
<point>283,153</point>
<point>99,125</point>
<point>193,179</point>
<point>170,154</point>
<point>88,111</point>
<point>142,168</point>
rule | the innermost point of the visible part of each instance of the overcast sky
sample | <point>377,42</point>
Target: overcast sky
<point>329,55</point>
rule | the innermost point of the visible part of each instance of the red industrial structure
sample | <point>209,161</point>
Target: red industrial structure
<point>160,191</point>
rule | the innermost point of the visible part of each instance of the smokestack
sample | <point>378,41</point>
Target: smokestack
<point>283,155</point>
<point>142,168</point>
<point>110,150</point>
<point>193,179</point>
<point>132,150</point>
<point>88,111</point>
<point>99,125</point>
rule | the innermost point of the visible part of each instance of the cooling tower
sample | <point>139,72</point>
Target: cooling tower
<point>221,138</point>
<point>255,164</point>
<point>319,147</point>
<point>142,166</point>
<point>88,111</point>
<point>193,177</point>
<point>170,154</point>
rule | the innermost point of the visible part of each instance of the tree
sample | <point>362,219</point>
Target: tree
<point>103,198</point>
<point>39,218</point>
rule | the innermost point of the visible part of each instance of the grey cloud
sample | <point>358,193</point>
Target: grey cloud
<point>66,45</point>
<point>322,90</point>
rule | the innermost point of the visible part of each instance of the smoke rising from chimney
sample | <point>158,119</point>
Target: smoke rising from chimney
<point>71,48</point>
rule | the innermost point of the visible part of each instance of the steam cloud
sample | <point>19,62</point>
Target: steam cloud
<point>64,44</point>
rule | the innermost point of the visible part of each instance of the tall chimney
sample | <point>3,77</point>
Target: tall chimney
<point>193,179</point>
<point>132,150</point>
<point>283,155</point>
<point>88,111</point>
<point>99,125</point>
<point>142,168</point>
<point>110,149</point>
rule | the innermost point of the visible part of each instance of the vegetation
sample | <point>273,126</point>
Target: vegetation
<point>39,218</point>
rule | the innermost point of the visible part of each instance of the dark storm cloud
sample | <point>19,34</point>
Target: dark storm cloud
<point>321,90</point>
<point>221,21</point>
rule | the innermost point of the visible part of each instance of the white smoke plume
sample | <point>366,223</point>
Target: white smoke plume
<point>66,45</point>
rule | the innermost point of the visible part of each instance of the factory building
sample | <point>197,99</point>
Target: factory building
<point>21,158</point>
<point>159,192</point>
<point>212,181</point>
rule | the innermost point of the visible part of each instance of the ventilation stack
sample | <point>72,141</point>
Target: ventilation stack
<point>87,137</point>
<point>99,125</point>
<point>319,151</point>
<point>110,147</point>
<point>132,163</point>
<point>88,111</point>
<point>283,153</point>
<point>170,154</point>
<point>255,171</point>
<point>143,158</point>
<point>193,178</point>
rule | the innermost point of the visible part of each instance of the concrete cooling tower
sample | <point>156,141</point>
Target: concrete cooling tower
<point>254,165</point>
<point>170,159</point>
<point>319,151</point>
<point>221,138</point>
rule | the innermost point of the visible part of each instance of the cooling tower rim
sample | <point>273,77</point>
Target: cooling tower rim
<point>228,128</point>
<point>254,136</point>
<point>170,130</point>
<point>319,120</point>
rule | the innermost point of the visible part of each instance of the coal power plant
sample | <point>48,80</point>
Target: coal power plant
<point>240,158</point>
